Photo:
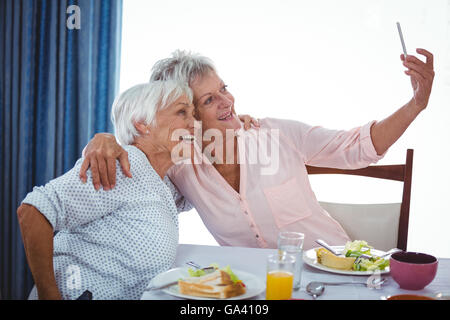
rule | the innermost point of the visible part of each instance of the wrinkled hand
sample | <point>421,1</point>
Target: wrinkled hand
<point>100,155</point>
<point>248,121</point>
<point>422,75</point>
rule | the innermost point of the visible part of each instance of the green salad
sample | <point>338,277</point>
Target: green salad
<point>359,247</point>
<point>227,269</point>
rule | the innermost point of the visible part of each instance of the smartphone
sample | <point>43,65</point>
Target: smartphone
<point>401,38</point>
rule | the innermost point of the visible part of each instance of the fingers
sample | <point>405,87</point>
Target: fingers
<point>412,59</point>
<point>248,124</point>
<point>248,121</point>
<point>429,57</point>
<point>111,166</point>
<point>103,171</point>
<point>95,174</point>
<point>100,155</point>
<point>83,169</point>
<point>415,60</point>
<point>255,122</point>
<point>422,71</point>
<point>125,164</point>
<point>421,74</point>
<point>416,68</point>
<point>416,75</point>
<point>97,171</point>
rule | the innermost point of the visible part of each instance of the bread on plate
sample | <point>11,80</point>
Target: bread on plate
<point>217,284</point>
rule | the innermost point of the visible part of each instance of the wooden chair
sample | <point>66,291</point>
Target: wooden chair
<point>357,219</point>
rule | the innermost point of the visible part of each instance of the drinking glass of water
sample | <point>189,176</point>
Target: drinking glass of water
<point>292,243</point>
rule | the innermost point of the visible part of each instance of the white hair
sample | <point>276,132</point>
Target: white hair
<point>141,103</point>
<point>183,66</point>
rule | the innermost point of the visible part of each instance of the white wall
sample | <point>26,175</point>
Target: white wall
<point>331,63</point>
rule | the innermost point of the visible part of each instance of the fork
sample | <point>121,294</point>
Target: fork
<point>197,266</point>
<point>379,282</point>
<point>391,251</point>
<point>189,263</point>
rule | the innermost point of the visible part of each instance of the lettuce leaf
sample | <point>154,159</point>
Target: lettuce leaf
<point>227,269</point>
<point>233,276</point>
<point>196,273</point>
<point>357,245</point>
<point>371,265</point>
<point>357,248</point>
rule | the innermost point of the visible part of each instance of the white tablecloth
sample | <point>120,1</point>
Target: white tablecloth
<point>254,261</point>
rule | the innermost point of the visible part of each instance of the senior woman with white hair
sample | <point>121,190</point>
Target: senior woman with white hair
<point>112,244</point>
<point>239,204</point>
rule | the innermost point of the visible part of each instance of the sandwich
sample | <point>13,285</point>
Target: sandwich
<point>218,284</point>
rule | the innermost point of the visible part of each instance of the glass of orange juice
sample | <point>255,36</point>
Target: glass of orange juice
<point>280,276</point>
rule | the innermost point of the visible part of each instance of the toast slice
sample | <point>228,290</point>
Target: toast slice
<point>217,284</point>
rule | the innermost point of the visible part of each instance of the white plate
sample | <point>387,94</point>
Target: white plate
<point>310,258</point>
<point>253,284</point>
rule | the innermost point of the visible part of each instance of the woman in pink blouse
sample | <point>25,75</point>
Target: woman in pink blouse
<point>248,185</point>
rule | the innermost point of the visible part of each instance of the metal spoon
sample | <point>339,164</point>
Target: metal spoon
<point>375,282</point>
<point>315,289</point>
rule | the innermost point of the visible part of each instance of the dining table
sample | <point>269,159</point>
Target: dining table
<point>253,261</point>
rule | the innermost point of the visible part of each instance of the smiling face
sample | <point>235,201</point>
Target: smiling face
<point>214,103</point>
<point>173,125</point>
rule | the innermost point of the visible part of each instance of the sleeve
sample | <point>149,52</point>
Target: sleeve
<point>67,202</point>
<point>321,147</point>
<point>181,202</point>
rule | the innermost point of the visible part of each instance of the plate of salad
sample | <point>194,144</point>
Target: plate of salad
<point>254,286</point>
<point>348,262</point>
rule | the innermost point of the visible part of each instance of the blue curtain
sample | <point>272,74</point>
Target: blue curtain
<point>57,84</point>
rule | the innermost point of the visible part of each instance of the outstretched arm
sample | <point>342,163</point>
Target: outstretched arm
<point>389,130</point>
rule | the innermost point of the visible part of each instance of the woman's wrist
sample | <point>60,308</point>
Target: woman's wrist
<point>414,108</point>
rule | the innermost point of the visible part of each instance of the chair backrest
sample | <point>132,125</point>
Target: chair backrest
<point>383,225</point>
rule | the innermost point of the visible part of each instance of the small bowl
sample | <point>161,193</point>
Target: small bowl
<point>413,270</point>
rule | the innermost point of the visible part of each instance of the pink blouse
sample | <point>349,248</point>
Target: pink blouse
<point>275,193</point>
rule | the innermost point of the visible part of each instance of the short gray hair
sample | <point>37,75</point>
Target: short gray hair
<point>183,66</point>
<point>140,103</point>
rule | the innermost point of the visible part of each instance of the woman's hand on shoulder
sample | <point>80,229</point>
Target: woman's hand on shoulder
<point>248,121</point>
<point>100,155</point>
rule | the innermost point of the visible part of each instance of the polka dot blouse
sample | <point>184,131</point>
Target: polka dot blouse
<point>114,242</point>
